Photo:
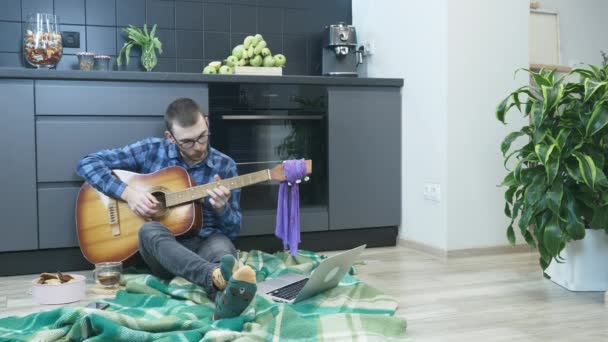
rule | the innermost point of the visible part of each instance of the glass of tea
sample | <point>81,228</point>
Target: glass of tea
<point>107,274</point>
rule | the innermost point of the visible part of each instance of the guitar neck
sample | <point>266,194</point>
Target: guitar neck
<point>200,191</point>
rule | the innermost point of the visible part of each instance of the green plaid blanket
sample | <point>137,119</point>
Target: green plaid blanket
<point>151,309</point>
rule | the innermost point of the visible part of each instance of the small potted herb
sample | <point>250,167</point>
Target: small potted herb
<point>148,43</point>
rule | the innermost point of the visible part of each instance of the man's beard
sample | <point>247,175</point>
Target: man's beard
<point>200,156</point>
<point>197,157</point>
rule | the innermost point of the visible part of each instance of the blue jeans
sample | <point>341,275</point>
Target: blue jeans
<point>192,258</point>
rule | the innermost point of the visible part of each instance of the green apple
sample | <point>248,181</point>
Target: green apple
<point>242,62</point>
<point>225,69</point>
<point>268,61</point>
<point>265,52</point>
<point>209,70</point>
<point>250,52</point>
<point>279,60</point>
<point>259,47</point>
<point>231,61</point>
<point>238,51</point>
<point>256,61</point>
<point>257,39</point>
<point>216,64</point>
<point>247,42</point>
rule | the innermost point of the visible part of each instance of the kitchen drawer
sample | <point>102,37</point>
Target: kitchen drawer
<point>62,141</point>
<point>235,97</point>
<point>264,222</point>
<point>56,222</point>
<point>113,98</point>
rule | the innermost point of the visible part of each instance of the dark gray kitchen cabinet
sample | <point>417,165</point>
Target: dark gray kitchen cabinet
<point>364,142</point>
<point>18,229</point>
<point>62,97</point>
<point>364,126</point>
<point>56,212</point>
<point>349,127</point>
<point>63,140</point>
<point>75,118</point>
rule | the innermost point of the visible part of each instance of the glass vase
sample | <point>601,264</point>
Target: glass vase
<point>148,58</point>
<point>42,46</point>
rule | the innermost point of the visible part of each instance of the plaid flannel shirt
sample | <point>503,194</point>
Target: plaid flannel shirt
<point>152,154</point>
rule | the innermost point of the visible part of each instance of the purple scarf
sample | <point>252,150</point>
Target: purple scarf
<point>288,208</point>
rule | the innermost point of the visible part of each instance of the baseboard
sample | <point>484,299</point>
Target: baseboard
<point>493,250</point>
<point>71,259</point>
<point>422,247</point>
<point>462,253</point>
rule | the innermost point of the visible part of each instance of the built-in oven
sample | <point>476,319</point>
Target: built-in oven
<point>261,125</point>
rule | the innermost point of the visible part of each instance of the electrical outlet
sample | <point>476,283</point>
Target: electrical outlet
<point>432,192</point>
<point>70,39</point>
<point>368,47</point>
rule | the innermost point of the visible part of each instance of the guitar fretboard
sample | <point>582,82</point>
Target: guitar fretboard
<point>200,191</point>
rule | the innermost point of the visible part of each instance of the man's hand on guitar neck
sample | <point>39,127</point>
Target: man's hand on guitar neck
<point>218,197</point>
<point>141,203</point>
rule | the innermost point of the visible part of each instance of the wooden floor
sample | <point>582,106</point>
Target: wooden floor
<point>480,298</point>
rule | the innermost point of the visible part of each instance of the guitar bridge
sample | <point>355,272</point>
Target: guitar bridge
<point>113,216</point>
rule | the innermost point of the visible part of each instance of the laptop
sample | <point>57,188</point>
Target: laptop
<point>293,288</point>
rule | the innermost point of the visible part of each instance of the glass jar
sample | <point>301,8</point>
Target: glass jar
<point>86,60</point>
<point>107,274</point>
<point>102,63</point>
<point>42,46</point>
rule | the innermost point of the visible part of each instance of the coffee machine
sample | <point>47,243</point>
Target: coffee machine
<point>340,54</point>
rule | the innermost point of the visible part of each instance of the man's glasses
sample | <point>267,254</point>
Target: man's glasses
<point>189,143</point>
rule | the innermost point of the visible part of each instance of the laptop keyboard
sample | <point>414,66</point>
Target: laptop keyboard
<point>290,291</point>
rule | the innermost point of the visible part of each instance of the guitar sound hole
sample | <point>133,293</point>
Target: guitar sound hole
<point>163,211</point>
<point>160,196</point>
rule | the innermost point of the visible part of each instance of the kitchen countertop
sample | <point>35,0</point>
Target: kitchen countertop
<point>141,76</point>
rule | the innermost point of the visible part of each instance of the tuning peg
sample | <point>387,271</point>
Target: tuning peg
<point>298,181</point>
<point>306,179</point>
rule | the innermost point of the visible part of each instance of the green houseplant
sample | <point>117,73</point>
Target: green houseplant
<point>558,186</point>
<point>148,43</point>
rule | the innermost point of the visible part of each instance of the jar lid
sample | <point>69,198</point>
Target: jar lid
<point>85,53</point>
<point>103,57</point>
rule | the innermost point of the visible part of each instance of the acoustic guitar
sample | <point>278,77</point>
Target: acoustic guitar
<point>108,230</point>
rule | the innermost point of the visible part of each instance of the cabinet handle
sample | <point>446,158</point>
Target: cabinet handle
<point>272,117</point>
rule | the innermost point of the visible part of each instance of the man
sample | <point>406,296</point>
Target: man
<point>209,258</point>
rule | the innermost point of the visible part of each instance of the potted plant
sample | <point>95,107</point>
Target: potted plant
<point>148,43</point>
<point>558,187</point>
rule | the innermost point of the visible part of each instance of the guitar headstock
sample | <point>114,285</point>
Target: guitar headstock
<point>278,172</point>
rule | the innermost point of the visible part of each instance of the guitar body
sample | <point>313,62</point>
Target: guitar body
<point>108,230</point>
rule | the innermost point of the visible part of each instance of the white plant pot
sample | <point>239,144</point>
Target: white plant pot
<point>586,263</point>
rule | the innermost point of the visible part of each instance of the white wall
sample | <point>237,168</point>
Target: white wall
<point>410,40</point>
<point>583,28</point>
<point>487,42</point>
<point>457,59</point>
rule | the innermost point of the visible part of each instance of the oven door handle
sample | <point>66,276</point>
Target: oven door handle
<point>272,117</point>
